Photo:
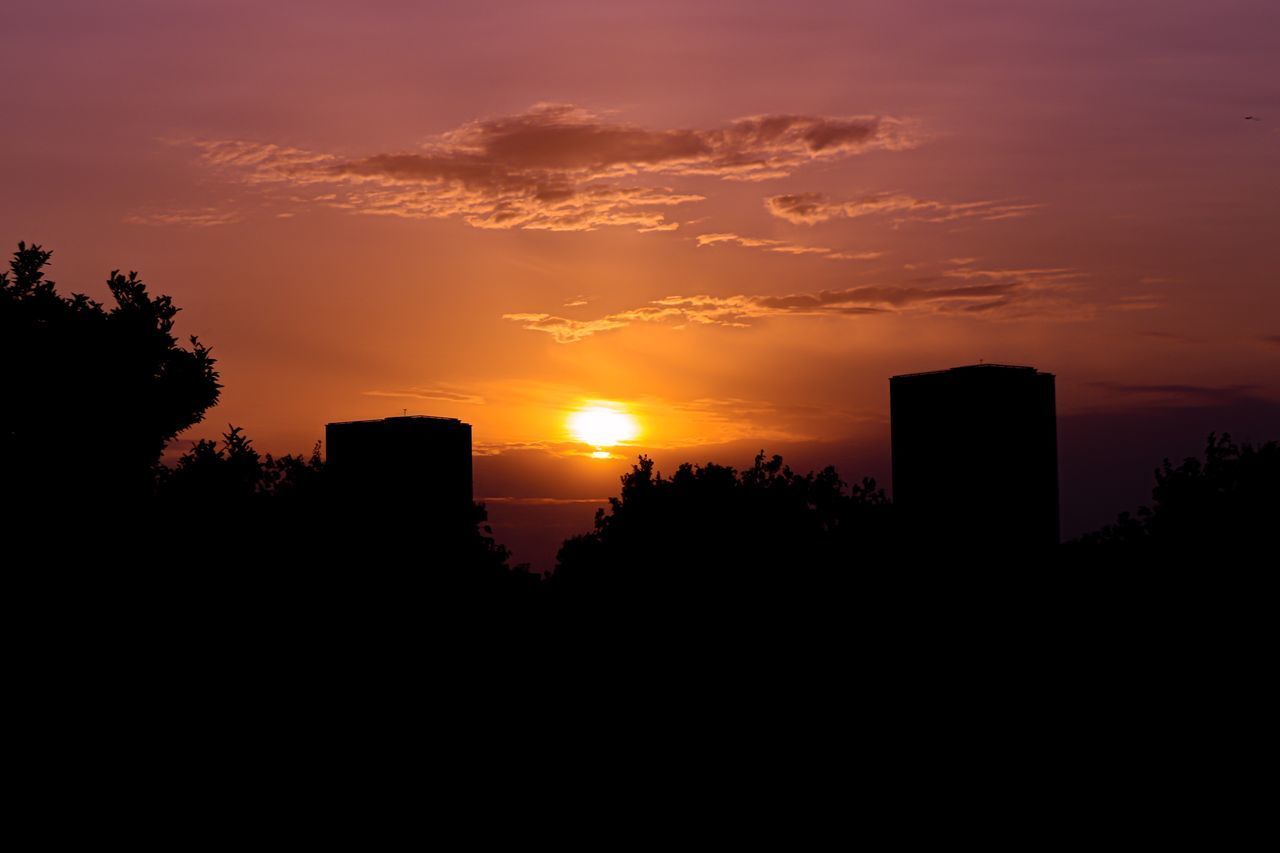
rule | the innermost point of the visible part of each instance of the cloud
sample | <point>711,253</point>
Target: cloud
<point>541,501</point>
<point>1272,340</point>
<point>565,330</point>
<point>553,448</point>
<point>811,208</point>
<point>442,393</point>
<point>1006,294</point>
<point>1138,302</point>
<point>1185,394</point>
<point>1171,337</point>
<point>205,217</point>
<point>772,419</point>
<point>556,166</point>
<point>785,247</point>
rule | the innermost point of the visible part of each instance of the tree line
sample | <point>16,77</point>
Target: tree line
<point>93,394</point>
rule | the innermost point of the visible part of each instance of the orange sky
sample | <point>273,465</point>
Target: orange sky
<point>736,219</point>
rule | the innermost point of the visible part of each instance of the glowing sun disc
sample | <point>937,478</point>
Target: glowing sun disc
<point>602,426</point>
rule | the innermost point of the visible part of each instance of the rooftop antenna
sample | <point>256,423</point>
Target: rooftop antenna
<point>405,412</point>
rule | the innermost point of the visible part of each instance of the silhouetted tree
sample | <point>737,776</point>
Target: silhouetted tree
<point>281,512</point>
<point>90,394</point>
<point>89,397</point>
<point>711,528</point>
<point>1228,502</point>
<point>235,474</point>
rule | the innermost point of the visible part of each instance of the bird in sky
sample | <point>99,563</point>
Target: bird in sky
<point>1252,118</point>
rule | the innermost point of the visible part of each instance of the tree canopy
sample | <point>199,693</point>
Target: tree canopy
<point>1226,503</point>
<point>91,393</point>
<point>713,527</point>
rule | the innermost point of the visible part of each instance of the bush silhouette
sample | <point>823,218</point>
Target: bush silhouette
<point>709,528</point>
<point>91,394</point>
<point>234,474</point>
<point>284,511</point>
<point>1228,502</point>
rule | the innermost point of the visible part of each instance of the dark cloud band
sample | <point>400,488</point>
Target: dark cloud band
<point>556,166</point>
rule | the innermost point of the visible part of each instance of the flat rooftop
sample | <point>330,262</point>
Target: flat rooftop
<point>984,366</point>
<point>399,419</point>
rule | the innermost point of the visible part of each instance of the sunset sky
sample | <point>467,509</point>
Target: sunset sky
<point>733,220</point>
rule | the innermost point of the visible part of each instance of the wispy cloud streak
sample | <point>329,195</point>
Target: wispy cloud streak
<point>438,393</point>
<point>996,293</point>
<point>205,217</point>
<point>811,208</point>
<point>784,247</point>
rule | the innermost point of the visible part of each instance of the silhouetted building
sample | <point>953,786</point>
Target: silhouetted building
<point>410,464</point>
<point>975,456</point>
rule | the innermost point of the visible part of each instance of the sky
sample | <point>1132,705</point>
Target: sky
<point>731,220</point>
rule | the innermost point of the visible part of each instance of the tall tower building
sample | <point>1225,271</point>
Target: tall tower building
<point>975,457</point>
<point>410,464</point>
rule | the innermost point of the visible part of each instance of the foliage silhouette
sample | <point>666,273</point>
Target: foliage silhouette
<point>235,473</point>
<point>1228,502</point>
<point>91,394</point>
<point>712,528</point>
<point>253,498</point>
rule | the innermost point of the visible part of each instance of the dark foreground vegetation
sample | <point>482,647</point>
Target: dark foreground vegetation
<point>228,614</point>
<point>93,393</point>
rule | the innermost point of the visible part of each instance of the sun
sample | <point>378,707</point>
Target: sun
<point>602,426</point>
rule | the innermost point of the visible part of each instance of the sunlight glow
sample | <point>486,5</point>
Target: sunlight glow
<point>601,426</point>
